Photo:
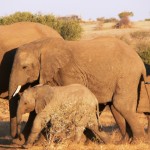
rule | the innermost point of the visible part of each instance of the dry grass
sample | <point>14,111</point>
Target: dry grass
<point>107,121</point>
<point>93,146</point>
<point>90,32</point>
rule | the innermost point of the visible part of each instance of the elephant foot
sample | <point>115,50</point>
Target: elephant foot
<point>27,146</point>
<point>124,140</point>
<point>100,128</point>
<point>19,141</point>
<point>87,142</point>
<point>141,139</point>
<point>149,136</point>
<point>40,140</point>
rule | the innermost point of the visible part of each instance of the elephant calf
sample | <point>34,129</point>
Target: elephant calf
<point>50,103</point>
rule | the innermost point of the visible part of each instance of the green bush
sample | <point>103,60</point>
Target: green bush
<point>69,29</point>
<point>17,17</point>
<point>148,19</point>
<point>125,14</point>
<point>110,20</point>
<point>142,44</point>
<point>106,20</point>
<point>145,55</point>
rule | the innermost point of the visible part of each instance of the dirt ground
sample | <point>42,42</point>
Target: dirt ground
<point>107,121</point>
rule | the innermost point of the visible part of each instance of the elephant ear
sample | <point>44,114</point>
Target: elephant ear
<point>53,57</point>
<point>44,94</point>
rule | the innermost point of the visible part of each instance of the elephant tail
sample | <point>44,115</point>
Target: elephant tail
<point>146,83</point>
<point>97,114</point>
<point>144,75</point>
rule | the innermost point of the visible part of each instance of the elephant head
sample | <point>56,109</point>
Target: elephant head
<point>13,36</point>
<point>26,105</point>
<point>36,62</point>
<point>33,99</point>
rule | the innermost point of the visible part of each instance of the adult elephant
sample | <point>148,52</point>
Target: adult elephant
<point>11,37</point>
<point>107,66</point>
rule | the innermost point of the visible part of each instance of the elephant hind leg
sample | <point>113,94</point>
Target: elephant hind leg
<point>122,124</point>
<point>78,133</point>
<point>125,103</point>
<point>148,128</point>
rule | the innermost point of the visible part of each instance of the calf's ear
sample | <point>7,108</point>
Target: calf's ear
<point>43,97</point>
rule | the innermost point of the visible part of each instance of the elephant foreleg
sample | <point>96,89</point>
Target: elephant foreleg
<point>99,136</point>
<point>39,123</point>
<point>26,131</point>
<point>28,127</point>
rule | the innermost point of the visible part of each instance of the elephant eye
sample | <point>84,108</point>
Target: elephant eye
<point>24,67</point>
<point>25,103</point>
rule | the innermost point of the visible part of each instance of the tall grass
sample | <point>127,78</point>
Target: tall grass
<point>145,54</point>
<point>142,39</point>
<point>140,35</point>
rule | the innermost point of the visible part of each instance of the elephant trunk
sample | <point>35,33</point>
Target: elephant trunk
<point>13,104</point>
<point>13,99</point>
<point>19,118</point>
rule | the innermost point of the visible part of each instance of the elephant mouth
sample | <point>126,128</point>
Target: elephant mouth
<point>21,88</point>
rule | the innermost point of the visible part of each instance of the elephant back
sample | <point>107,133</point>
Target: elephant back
<point>17,34</point>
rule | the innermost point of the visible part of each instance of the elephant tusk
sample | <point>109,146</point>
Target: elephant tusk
<point>39,85</point>
<point>17,91</point>
<point>147,82</point>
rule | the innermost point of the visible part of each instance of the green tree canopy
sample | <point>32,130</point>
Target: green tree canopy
<point>125,14</point>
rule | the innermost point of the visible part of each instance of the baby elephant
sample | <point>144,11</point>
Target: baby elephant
<point>74,101</point>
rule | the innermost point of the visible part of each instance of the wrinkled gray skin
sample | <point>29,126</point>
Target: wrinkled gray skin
<point>107,66</point>
<point>48,101</point>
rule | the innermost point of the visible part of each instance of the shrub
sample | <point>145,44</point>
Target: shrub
<point>141,40</point>
<point>72,17</point>
<point>17,17</point>
<point>69,29</point>
<point>145,55</point>
<point>124,20</point>
<point>110,20</point>
<point>140,34</point>
<point>101,19</point>
<point>148,19</point>
<point>106,20</point>
<point>99,25</point>
<point>125,14</point>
